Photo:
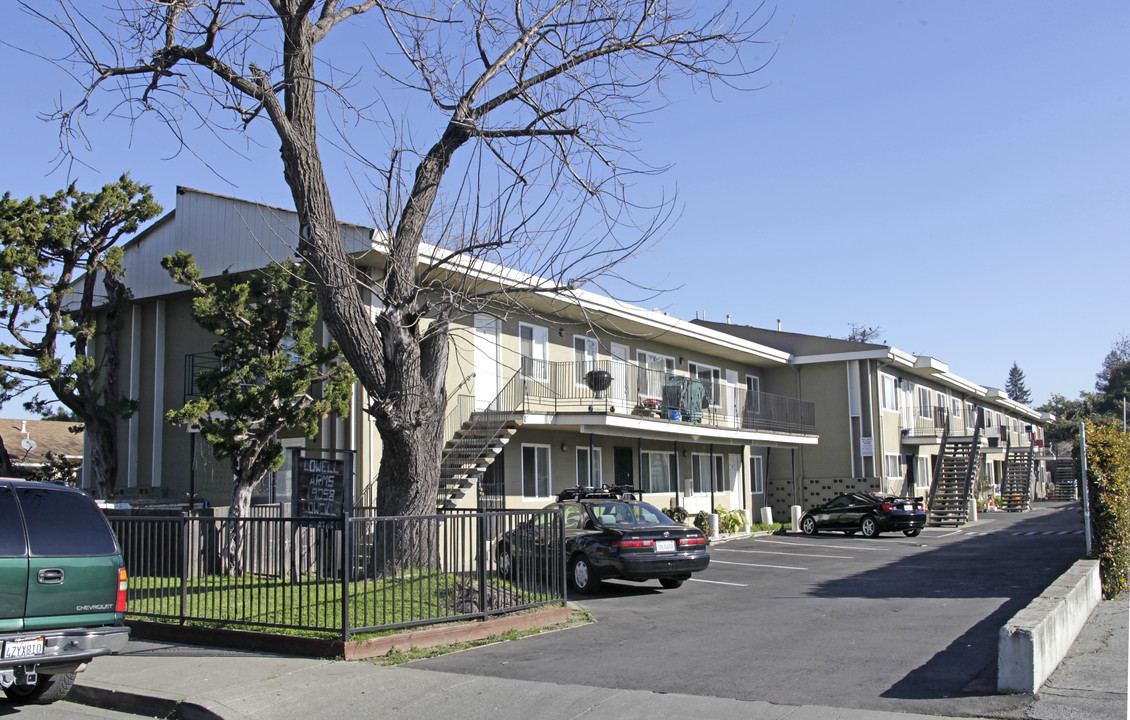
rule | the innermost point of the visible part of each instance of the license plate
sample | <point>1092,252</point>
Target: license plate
<point>908,508</point>
<point>23,648</point>
<point>664,546</point>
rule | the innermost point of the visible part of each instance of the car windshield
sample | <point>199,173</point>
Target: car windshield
<point>624,513</point>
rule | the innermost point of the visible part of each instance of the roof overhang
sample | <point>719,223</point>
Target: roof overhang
<point>629,426</point>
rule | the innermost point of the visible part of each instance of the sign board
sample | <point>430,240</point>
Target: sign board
<point>867,447</point>
<point>321,487</point>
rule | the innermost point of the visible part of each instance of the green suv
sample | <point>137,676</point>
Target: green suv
<point>62,589</point>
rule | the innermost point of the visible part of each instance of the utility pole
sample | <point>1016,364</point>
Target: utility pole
<point>1086,504</point>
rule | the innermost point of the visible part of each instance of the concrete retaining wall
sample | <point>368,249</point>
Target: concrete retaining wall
<point>1038,637</point>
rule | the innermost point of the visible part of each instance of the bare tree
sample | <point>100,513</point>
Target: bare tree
<point>530,166</point>
<point>864,333</point>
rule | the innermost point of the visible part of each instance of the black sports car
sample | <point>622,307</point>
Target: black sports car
<point>609,534</point>
<point>867,513</point>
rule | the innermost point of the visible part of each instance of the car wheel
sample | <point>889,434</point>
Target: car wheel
<point>582,575</point>
<point>808,525</point>
<point>670,583</point>
<point>48,689</point>
<point>504,563</point>
<point>913,532</point>
<point>869,527</point>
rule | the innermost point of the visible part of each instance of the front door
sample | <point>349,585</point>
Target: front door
<point>734,471</point>
<point>733,409</point>
<point>486,361</point>
<point>621,372</point>
<point>622,466</point>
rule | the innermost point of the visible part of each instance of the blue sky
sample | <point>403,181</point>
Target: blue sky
<point>955,172</point>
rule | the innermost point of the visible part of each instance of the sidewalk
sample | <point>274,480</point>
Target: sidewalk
<point>157,679</point>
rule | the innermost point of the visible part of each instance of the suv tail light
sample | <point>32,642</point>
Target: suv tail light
<point>123,585</point>
<point>689,541</point>
<point>635,543</point>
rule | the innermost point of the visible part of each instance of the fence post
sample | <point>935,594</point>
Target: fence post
<point>482,552</point>
<point>184,535</point>
<point>346,571</point>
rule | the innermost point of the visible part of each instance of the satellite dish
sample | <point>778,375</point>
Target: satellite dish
<point>27,444</point>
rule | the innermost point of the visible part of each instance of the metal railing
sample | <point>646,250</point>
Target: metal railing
<point>616,386</point>
<point>339,576</point>
<point>932,421</point>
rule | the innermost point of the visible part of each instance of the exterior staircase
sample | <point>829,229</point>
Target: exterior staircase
<point>1017,484</point>
<point>1064,480</point>
<point>954,472</point>
<point>472,449</point>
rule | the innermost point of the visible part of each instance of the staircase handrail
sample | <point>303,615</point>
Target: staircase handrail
<point>974,451</point>
<point>938,461</point>
<point>516,385</point>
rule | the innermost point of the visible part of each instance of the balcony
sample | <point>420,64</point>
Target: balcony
<point>919,422</point>
<point>625,388</point>
<point>930,422</point>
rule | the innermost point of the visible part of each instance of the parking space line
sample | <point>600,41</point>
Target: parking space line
<point>780,567</point>
<point>716,582</point>
<point>955,532</point>
<point>792,554</point>
<point>806,543</point>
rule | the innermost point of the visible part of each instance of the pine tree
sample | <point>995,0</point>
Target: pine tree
<point>1015,386</point>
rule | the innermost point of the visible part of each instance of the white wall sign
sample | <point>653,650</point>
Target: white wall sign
<point>867,447</point>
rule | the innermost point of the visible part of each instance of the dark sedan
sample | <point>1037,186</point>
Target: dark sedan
<point>609,534</point>
<point>867,513</point>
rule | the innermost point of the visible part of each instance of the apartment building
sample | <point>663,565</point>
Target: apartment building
<point>887,416</point>
<point>561,391</point>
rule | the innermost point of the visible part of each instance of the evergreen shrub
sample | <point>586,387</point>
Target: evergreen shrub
<point>1108,487</point>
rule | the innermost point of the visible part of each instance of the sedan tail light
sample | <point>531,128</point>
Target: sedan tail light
<point>888,507</point>
<point>635,543</point>
<point>123,585</point>
<point>690,541</point>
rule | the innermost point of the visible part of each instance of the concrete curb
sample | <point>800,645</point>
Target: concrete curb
<point>354,649</point>
<point>136,704</point>
<point>1032,644</point>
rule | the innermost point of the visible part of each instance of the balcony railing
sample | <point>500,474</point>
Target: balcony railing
<point>616,386</point>
<point>922,422</point>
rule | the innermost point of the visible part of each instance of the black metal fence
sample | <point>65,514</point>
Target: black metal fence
<point>340,576</point>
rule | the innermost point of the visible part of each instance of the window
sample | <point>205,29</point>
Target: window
<point>64,524</point>
<point>922,476</point>
<point>892,465</point>
<point>711,378</point>
<point>574,516</point>
<point>924,408</point>
<point>535,471</point>
<point>890,399</point>
<point>658,471</point>
<point>653,373</point>
<point>956,409</point>
<point>700,473</point>
<point>584,357</point>
<point>584,468</point>
<point>757,475</point>
<point>12,542</point>
<point>533,344</point>
<point>753,393</point>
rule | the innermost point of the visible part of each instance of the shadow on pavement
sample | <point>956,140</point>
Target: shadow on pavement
<point>1013,567</point>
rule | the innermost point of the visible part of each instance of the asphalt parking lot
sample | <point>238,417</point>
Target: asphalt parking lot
<point>890,623</point>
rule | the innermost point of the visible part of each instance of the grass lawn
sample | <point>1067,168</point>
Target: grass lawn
<point>313,607</point>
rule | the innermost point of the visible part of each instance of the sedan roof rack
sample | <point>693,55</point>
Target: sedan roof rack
<point>616,492</point>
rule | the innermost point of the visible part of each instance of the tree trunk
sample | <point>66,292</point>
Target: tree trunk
<point>6,468</point>
<point>235,527</point>
<point>101,437</point>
